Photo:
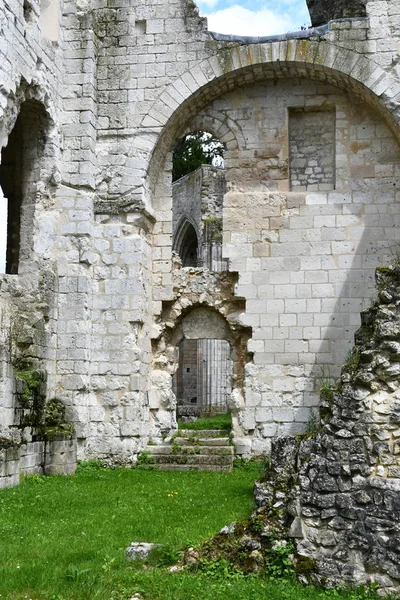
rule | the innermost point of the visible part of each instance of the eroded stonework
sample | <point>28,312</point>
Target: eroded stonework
<point>93,101</point>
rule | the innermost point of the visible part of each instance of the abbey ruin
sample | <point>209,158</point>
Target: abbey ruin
<point>107,274</point>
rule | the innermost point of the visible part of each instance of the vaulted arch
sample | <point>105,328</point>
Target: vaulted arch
<point>186,243</point>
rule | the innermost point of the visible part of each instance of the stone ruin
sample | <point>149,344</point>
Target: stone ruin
<point>94,303</point>
<point>343,493</point>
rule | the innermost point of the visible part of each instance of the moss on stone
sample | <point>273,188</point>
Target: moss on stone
<point>305,565</point>
<point>55,426</point>
<point>29,382</point>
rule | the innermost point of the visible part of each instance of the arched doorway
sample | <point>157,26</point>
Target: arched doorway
<point>202,383</point>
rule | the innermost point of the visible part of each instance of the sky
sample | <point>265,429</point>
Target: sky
<point>254,17</point>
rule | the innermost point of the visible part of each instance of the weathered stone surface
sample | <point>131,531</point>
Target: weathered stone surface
<point>346,486</point>
<point>89,117</point>
<point>139,550</point>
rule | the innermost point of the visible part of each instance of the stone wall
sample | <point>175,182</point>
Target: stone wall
<point>350,485</point>
<point>117,87</point>
<point>312,150</point>
<point>305,260</point>
<point>42,458</point>
<point>345,494</point>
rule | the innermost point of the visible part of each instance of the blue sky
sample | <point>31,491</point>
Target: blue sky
<point>254,17</point>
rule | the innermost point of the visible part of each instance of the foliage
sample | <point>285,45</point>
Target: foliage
<point>352,360</point>
<point>313,425</point>
<point>326,384</point>
<point>77,529</point>
<point>219,569</point>
<point>257,465</point>
<point>55,426</point>
<point>31,381</point>
<point>280,560</point>
<point>145,458</point>
<point>192,151</point>
<point>164,556</point>
<point>222,421</point>
<point>89,466</point>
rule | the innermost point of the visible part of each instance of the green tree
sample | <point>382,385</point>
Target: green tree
<point>194,150</point>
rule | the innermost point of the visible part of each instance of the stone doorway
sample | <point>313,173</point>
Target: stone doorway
<point>202,383</point>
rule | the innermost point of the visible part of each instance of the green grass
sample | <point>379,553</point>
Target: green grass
<point>64,538</point>
<point>223,421</point>
<point>67,535</point>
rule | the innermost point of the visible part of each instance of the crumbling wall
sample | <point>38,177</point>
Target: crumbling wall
<point>204,307</point>
<point>305,256</point>
<point>34,435</point>
<point>119,86</point>
<point>345,505</point>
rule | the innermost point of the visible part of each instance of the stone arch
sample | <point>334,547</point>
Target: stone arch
<point>238,66</point>
<point>203,320</point>
<point>26,91</point>
<point>28,172</point>
<point>186,242</point>
<point>221,126</point>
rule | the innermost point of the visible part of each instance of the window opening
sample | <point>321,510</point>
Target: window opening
<point>188,246</point>
<point>312,149</point>
<point>197,201</point>
<point>20,171</point>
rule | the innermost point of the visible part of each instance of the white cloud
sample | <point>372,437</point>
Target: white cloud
<point>238,20</point>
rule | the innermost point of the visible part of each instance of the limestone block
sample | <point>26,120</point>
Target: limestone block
<point>139,550</point>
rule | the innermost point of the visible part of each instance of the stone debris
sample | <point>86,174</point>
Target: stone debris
<point>228,529</point>
<point>140,550</point>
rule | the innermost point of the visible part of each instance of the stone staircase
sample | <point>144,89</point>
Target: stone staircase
<point>206,450</point>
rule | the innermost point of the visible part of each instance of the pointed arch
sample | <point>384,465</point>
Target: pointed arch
<point>186,243</point>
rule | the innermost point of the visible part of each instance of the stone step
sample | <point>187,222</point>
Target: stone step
<point>198,441</point>
<point>193,459</point>
<point>186,450</point>
<point>213,468</point>
<point>204,433</point>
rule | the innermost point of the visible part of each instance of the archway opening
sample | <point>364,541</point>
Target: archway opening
<point>197,199</point>
<point>20,173</point>
<point>202,383</point>
<point>187,245</point>
<point>195,149</point>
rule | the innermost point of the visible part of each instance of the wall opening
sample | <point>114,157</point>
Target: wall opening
<point>20,173</point>
<point>202,383</point>
<point>187,245</point>
<point>197,201</point>
<point>312,149</point>
<point>195,149</point>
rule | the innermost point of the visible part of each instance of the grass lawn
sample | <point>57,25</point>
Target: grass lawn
<point>65,537</point>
